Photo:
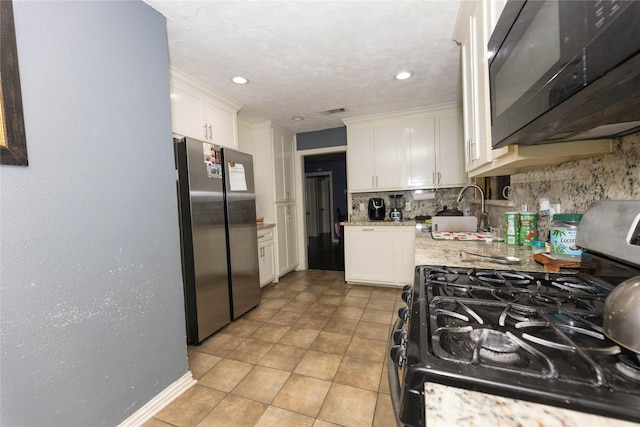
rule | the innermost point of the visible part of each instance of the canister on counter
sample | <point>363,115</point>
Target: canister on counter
<point>563,231</point>
<point>512,231</point>
<point>528,224</point>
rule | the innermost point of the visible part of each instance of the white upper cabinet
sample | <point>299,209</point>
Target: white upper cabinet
<point>199,113</point>
<point>361,158</point>
<point>284,166</point>
<point>450,171</point>
<point>410,150</point>
<point>373,155</point>
<point>421,152</point>
<point>476,21</point>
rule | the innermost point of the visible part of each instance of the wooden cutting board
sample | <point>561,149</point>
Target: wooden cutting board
<point>552,264</point>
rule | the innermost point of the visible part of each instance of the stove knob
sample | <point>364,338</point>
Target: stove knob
<point>397,354</point>
<point>403,313</point>
<point>400,336</point>
<point>406,295</point>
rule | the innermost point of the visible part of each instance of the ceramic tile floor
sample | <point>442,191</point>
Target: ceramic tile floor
<point>313,353</point>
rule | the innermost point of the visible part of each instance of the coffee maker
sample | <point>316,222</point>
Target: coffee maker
<point>376,209</point>
<point>395,214</point>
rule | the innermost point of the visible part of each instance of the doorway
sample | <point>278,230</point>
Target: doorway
<point>325,206</point>
<point>319,204</point>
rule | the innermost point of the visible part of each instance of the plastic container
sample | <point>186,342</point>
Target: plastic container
<point>563,231</point>
<point>537,246</point>
<point>528,228</point>
<point>512,225</point>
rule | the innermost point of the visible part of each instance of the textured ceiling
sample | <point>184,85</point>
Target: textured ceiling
<point>305,57</point>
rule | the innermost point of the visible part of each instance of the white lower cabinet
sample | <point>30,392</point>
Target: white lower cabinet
<point>383,255</point>
<point>286,226</point>
<point>266,256</point>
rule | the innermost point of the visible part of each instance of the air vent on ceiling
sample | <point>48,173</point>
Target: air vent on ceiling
<point>335,111</point>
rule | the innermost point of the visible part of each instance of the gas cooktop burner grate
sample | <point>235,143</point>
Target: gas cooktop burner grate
<point>629,366</point>
<point>522,331</point>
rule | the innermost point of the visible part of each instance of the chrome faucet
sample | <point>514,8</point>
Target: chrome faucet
<point>483,215</point>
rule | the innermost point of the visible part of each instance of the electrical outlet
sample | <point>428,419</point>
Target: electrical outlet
<point>361,206</point>
<point>407,206</point>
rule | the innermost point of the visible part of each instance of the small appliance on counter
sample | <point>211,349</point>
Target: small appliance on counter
<point>376,209</point>
<point>395,214</point>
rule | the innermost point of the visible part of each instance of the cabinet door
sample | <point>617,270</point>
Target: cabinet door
<point>187,114</point>
<point>450,156</point>
<point>283,157</point>
<point>266,257</point>
<point>278,163</point>
<point>360,159</point>
<point>288,167</point>
<point>292,243</point>
<point>468,110</point>
<point>405,255</point>
<point>369,254</point>
<point>281,227</point>
<point>221,125</point>
<point>388,156</point>
<point>286,225</point>
<point>421,152</point>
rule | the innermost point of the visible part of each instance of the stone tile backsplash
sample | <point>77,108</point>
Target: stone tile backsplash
<point>575,185</point>
<point>443,197</point>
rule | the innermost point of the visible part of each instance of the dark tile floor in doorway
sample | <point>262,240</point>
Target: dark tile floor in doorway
<point>312,354</point>
<point>323,254</point>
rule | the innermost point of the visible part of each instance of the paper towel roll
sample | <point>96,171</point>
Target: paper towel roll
<point>424,195</point>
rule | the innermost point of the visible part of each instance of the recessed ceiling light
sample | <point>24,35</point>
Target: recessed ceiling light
<point>297,118</point>
<point>403,75</point>
<point>239,80</point>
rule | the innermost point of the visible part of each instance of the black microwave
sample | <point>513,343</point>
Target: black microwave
<point>564,70</point>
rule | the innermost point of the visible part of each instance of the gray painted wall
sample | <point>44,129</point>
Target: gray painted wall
<point>91,286</point>
<point>321,138</point>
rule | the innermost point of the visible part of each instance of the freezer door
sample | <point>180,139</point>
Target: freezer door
<point>242,231</point>
<point>203,242</point>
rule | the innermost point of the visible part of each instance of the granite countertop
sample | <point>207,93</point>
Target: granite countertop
<point>447,252</point>
<point>452,406</point>
<point>406,223</point>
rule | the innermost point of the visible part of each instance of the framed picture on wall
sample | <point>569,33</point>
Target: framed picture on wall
<point>13,143</point>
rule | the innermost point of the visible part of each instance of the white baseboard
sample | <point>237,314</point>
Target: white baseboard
<point>161,400</point>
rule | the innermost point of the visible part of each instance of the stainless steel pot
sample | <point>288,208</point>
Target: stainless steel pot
<point>621,313</point>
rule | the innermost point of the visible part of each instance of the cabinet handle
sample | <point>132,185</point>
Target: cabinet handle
<point>210,133</point>
<point>205,131</point>
<point>367,229</point>
<point>376,181</point>
<point>433,178</point>
<point>439,176</point>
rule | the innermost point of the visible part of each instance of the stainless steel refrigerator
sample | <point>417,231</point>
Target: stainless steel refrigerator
<point>216,199</point>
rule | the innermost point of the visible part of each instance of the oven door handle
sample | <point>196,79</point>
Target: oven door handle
<point>392,373</point>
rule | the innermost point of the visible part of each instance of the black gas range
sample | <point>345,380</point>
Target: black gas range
<point>531,336</point>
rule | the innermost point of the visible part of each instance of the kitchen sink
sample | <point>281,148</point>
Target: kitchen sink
<point>455,223</point>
